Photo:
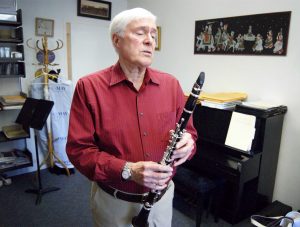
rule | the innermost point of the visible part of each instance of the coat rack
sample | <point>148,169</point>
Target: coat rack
<point>45,58</point>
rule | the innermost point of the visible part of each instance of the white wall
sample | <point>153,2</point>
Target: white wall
<point>273,79</point>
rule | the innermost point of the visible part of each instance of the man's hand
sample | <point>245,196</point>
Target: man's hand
<point>151,174</point>
<point>183,150</point>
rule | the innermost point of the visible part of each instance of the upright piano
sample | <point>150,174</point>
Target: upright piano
<point>249,175</point>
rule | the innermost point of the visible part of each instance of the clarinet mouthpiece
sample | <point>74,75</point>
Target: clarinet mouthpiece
<point>200,80</point>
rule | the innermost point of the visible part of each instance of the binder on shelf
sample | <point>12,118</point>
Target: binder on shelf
<point>15,131</point>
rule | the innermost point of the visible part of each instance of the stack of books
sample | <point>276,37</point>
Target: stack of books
<point>222,100</point>
<point>8,102</point>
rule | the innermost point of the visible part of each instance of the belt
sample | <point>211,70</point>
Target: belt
<point>129,197</point>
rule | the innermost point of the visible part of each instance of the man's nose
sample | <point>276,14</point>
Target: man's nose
<point>149,39</point>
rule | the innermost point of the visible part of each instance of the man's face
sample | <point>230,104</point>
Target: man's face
<point>137,45</point>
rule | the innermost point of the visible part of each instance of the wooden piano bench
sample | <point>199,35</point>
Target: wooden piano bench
<point>199,188</point>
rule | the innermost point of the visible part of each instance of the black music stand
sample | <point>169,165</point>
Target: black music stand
<point>34,114</point>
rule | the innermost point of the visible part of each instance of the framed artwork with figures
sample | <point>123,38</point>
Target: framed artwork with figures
<point>258,34</point>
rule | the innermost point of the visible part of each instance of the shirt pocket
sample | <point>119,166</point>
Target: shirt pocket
<point>166,122</point>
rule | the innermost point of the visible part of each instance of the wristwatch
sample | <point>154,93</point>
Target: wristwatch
<point>126,172</point>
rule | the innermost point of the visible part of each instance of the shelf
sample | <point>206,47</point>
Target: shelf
<point>12,35</point>
<point>10,23</point>
<point>10,60</point>
<point>3,138</point>
<point>11,40</point>
<point>17,23</point>
<point>12,76</point>
<point>12,69</point>
<point>22,159</point>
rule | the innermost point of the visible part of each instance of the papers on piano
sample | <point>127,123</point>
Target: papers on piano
<point>241,131</point>
<point>222,100</point>
<point>222,97</point>
<point>222,105</point>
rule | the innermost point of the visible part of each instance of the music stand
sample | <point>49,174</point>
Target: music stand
<point>34,114</point>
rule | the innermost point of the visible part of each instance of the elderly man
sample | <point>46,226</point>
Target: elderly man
<point>120,125</point>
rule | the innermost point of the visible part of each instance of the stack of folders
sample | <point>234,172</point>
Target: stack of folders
<point>222,100</point>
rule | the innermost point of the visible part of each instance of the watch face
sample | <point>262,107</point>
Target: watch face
<point>126,174</point>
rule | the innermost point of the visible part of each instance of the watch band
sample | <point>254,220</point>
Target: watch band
<point>126,172</point>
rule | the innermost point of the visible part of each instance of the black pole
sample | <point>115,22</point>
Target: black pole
<point>40,191</point>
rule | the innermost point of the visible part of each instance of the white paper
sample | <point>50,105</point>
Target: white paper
<point>241,131</point>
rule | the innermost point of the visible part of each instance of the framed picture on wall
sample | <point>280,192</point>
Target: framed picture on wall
<point>94,9</point>
<point>44,27</point>
<point>258,34</point>
<point>157,38</point>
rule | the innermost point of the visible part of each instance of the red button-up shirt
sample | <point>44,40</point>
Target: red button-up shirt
<point>111,122</point>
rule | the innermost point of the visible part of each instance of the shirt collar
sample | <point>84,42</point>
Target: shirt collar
<point>118,76</point>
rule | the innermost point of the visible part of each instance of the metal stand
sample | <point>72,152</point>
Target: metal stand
<point>34,114</point>
<point>40,191</point>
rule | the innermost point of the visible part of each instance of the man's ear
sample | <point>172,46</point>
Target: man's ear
<point>115,40</point>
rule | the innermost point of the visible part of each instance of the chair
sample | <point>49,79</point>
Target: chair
<point>200,188</point>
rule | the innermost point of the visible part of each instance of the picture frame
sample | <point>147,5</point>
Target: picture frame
<point>94,9</point>
<point>158,39</point>
<point>258,34</point>
<point>44,27</point>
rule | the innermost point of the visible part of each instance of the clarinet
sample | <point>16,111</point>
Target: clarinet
<point>141,220</point>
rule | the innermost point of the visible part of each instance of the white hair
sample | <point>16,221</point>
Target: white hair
<point>121,20</point>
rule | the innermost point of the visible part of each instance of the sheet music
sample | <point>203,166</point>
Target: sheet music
<point>241,131</point>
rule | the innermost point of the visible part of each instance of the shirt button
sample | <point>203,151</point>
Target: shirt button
<point>141,113</point>
<point>145,134</point>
